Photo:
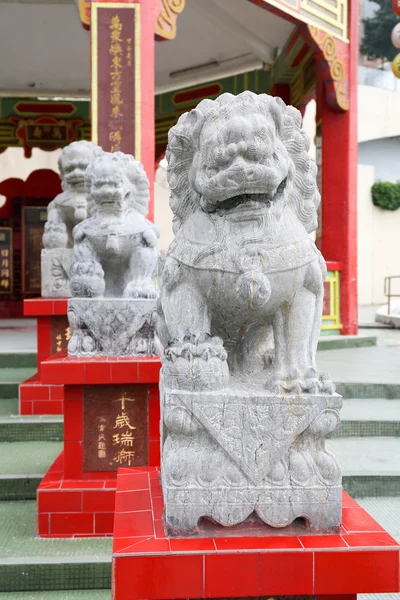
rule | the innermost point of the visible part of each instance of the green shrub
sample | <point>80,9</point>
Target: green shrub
<point>386,195</point>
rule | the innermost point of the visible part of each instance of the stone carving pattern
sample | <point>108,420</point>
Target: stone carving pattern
<point>241,303</point>
<point>114,257</point>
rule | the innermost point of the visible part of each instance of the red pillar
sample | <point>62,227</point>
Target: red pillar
<point>339,184</point>
<point>122,74</point>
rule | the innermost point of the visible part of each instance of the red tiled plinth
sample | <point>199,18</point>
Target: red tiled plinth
<point>52,337</point>
<point>111,417</point>
<point>75,508</point>
<point>35,398</point>
<point>362,558</point>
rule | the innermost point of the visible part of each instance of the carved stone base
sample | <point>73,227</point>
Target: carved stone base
<point>234,452</point>
<point>55,265</point>
<point>112,327</point>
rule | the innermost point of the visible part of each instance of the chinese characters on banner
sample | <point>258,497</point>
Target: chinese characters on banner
<point>116,77</point>
<point>6,260</point>
<point>33,224</point>
<point>120,438</point>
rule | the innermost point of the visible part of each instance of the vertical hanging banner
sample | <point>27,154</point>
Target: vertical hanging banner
<point>116,77</point>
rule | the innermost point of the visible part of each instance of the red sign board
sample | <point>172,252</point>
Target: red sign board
<point>116,77</point>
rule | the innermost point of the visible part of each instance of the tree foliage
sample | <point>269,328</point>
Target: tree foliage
<point>377,42</point>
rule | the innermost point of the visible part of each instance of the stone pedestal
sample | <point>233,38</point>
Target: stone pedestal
<point>53,333</point>
<point>243,451</point>
<point>111,420</point>
<point>112,327</point>
<point>56,265</point>
<point>249,560</point>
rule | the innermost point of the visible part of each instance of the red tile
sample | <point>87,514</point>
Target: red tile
<point>154,420</point>
<point>357,519</point>
<point>102,475</point>
<point>121,544</point>
<point>56,392</point>
<point>34,392</point>
<point>71,523</point>
<point>231,575</point>
<point>73,372</point>
<point>149,370</point>
<point>97,373</point>
<point>192,545</point>
<point>158,507</point>
<point>60,306</point>
<point>73,419</point>
<point>124,372</point>
<point>154,453</point>
<point>99,501</point>
<point>159,577</point>
<point>134,524</point>
<point>133,501</point>
<point>61,501</point>
<point>149,546</point>
<point>25,408</point>
<point>39,307</point>
<point>104,523</point>
<point>258,543</point>
<point>156,489</point>
<point>73,392</point>
<point>159,528</point>
<point>42,524</point>
<point>286,573</point>
<point>357,572</point>
<point>73,460</point>
<point>348,501</point>
<point>47,407</point>
<point>323,541</point>
<point>82,484</point>
<point>133,482</point>
<point>154,393</point>
<point>370,539</point>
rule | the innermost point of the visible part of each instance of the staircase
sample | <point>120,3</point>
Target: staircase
<point>367,447</point>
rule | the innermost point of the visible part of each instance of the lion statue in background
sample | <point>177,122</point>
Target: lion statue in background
<point>115,249</point>
<point>242,271</point>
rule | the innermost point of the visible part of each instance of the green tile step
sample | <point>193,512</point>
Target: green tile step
<point>22,467</point>
<point>10,379</point>
<point>18,359</point>
<point>65,595</point>
<point>28,563</point>
<point>370,465</point>
<point>335,342</point>
<point>40,428</point>
<point>369,417</point>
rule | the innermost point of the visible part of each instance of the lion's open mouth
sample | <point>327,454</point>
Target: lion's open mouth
<point>252,200</point>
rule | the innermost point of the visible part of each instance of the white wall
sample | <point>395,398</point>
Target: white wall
<point>384,155</point>
<point>378,242</point>
<point>378,113</point>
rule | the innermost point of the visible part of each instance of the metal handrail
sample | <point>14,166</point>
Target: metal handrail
<point>387,290</point>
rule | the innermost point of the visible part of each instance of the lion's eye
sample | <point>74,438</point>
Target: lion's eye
<point>211,171</point>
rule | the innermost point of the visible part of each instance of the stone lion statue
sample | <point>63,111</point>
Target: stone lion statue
<point>70,207</point>
<point>242,272</point>
<point>115,249</point>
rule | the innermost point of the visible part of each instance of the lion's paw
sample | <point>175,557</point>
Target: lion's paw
<point>196,364</point>
<point>145,290</point>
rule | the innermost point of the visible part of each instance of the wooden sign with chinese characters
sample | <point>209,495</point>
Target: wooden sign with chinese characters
<point>60,334</point>
<point>116,75</point>
<point>115,427</point>
<point>34,219</point>
<point>6,251</point>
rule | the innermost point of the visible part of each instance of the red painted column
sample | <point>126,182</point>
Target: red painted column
<point>339,185</point>
<point>122,80</point>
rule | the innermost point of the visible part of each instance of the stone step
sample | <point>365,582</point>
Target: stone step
<point>20,359</point>
<point>10,378</point>
<point>369,417</point>
<point>335,342</point>
<point>370,465</point>
<point>58,595</point>
<point>387,391</point>
<point>40,428</point>
<point>22,467</point>
<point>29,564</point>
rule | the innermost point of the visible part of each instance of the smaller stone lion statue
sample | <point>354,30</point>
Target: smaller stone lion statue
<point>242,270</point>
<point>115,250</point>
<point>70,207</point>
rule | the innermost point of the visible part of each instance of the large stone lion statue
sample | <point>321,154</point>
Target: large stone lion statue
<point>115,250</point>
<point>242,272</point>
